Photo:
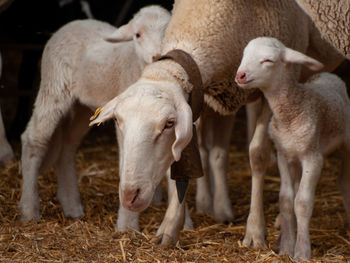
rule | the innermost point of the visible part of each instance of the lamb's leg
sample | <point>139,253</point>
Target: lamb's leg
<point>158,195</point>
<point>49,110</point>
<point>304,203</point>
<point>259,154</point>
<point>127,220</point>
<point>286,203</point>
<point>344,179</point>
<point>218,161</point>
<point>204,201</point>
<point>74,129</point>
<point>6,153</point>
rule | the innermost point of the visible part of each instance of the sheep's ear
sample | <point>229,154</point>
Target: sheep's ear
<point>123,33</point>
<point>293,56</point>
<point>104,113</point>
<point>183,129</point>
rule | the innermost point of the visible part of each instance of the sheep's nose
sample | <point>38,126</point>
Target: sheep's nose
<point>155,57</point>
<point>241,77</point>
<point>130,196</point>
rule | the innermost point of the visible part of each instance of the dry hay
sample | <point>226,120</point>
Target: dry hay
<point>94,238</point>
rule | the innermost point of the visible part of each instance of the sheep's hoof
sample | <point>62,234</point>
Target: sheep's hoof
<point>224,216</point>
<point>188,224</point>
<point>164,240</point>
<point>254,240</point>
<point>204,207</point>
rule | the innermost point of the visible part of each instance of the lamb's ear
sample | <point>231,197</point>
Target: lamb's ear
<point>104,113</point>
<point>183,128</point>
<point>123,33</point>
<point>293,56</point>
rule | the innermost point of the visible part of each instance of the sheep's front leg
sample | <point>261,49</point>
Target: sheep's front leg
<point>304,202</point>
<point>286,197</point>
<point>174,219</point>
<point>259,154</point>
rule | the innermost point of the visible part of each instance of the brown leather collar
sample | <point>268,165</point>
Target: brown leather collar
<point>196,99</point>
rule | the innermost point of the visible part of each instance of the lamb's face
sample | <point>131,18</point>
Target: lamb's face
<point>148,31</point>
<point>260,64</point>
<point>153,129</point>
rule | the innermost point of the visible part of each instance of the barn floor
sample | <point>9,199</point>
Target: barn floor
<point>94,238</point>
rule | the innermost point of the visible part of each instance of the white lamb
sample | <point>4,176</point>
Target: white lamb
<point>309,121</point>
<point>80,72</point>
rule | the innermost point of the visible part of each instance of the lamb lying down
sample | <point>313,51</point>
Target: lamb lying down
<point>309,121</point>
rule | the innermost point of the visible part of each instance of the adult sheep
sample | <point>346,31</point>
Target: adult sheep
<point>214,33</point>
<point>332,18</point>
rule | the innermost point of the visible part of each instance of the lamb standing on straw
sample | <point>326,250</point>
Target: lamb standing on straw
<point>309,121</point>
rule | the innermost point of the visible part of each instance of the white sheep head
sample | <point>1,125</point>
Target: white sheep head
<point>146,29</point>
<point>153,129</point>
<point>265,63</point>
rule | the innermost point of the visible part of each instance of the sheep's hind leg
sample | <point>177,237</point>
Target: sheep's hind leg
<point>286,204</point>
<point>304,203</point>
<point>48,112</point>
<point>218,161</point>
<point>74,128</point>
<point>204,199</point>
<point>259,154</point>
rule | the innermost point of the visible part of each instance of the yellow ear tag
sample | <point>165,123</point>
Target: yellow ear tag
<point>97,112</point>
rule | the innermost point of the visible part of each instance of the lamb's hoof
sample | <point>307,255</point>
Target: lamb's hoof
<point>75,213</point>
<point>123,226</point>
<point>29,215</point>
<point>29,210</point>
<point>72,209</point>
<point>164,240</point>
<point>255,240</point>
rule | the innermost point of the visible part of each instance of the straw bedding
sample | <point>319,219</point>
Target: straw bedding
<point>94,238</point>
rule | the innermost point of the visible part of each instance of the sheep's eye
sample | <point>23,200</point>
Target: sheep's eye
<point>137,35</point>
<point>115,120</point>
<point>169,124</point>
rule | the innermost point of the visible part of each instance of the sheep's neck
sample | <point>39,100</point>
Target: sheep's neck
<point>167,71</point>
<point>285,98</point>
